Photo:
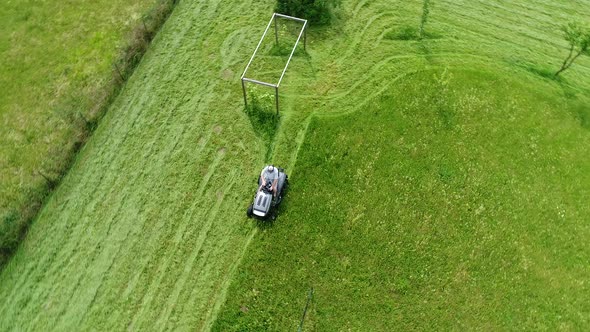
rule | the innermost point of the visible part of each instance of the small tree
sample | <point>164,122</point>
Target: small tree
<point>579,42</point>
<point>316,11</point>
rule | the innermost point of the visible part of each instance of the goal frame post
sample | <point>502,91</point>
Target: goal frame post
<point>302,33</point>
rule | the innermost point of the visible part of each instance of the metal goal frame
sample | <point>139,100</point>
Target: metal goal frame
<point>273,19</point>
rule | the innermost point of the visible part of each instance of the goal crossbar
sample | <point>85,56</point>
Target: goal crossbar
<point>302,33</point>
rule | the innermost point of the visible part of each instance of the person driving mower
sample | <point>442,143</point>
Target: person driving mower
<point>269,174</point>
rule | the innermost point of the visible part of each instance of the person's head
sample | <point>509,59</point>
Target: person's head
<point>271,168</point>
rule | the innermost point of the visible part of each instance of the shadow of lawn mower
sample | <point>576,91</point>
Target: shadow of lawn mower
<point>265,205</point>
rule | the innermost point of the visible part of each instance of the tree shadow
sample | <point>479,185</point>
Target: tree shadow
<point>263,117</point>
<point>409,33</point>
<point>577,105</point>
<point>538,70</point>
<point>578,108</point>
<point>281,49</point>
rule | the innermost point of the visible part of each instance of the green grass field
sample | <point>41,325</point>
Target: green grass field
<point>440,205</point>
<point>55,68</point>
<point>436,184</point>
<point>451,194</point>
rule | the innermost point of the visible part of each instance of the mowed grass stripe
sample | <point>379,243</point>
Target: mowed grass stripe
<point>163,239</point>
<point>134,206</point>
<point>112,184</point>
<point>199,193</point>
<point>164,260</point>
<point>57,268</point>
<point>544,20</point>
<point>107,178</point>
<point>511,27</point>
<point>87,285</point>
<point>361,37</point>
<point>194,273</point>
<point>125,154</point>
<point>190,86</point>
<point>54,68</point>
<point>86,201</point>
<point>157,242</point>
<point>216,302</point>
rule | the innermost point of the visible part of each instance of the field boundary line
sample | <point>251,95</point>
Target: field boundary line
<point>212,315</point>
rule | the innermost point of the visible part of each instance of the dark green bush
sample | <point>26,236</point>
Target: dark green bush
<point>317,12</point>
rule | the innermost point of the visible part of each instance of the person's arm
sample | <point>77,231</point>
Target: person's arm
<point>262,183</point>
<point>274,186</point>
<point>262,179</point>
